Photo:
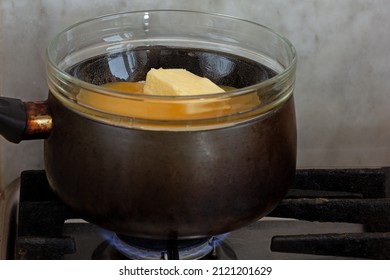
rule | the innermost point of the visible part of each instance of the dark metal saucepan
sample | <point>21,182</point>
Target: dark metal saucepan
<point>191,176</point>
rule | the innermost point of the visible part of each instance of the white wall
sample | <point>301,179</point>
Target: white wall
<point>343,78</point>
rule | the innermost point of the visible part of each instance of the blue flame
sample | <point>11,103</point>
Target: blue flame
<point>218,239</point>
<point>134,252</point>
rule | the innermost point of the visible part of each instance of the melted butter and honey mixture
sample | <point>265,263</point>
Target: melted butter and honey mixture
<point>168,82</point>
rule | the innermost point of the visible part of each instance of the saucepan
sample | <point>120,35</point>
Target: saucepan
<point>157,166</point>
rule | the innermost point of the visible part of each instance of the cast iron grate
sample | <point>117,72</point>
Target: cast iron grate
<point>349,195</point>
<point>358,196</point>
<point>41,217</point>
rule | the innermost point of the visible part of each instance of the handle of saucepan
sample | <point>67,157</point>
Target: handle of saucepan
<point>24,120</point>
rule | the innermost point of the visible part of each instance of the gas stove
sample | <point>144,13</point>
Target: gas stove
<point>327,214</point>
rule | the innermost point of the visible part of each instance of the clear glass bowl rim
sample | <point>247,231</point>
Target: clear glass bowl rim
<point>117,93</point>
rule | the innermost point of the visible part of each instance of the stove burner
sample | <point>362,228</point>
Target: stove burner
<point>107,251</point>
<point>149,249</point>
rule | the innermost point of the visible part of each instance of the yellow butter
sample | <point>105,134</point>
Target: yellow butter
<point>168,109</point>
<point>178,82</point>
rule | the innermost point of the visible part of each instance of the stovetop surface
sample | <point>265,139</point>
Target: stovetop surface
<point>328,214</point>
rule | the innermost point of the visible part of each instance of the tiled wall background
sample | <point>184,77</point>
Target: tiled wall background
<point>343,78</point>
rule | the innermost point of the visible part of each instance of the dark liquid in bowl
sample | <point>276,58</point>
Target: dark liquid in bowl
<point>133,65</point>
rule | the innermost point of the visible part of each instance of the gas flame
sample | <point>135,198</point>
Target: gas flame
<point>132,250</point>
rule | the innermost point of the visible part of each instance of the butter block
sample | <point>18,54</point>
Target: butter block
<point>178,82</point>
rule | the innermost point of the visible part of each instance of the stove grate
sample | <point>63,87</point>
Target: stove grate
<point>356,245</point>
<point>358,196</point>
<point>41,217</point>
<point>348,196</point>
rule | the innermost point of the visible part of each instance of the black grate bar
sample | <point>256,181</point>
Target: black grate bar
<point>371,212</point>
<point>356,245</point>
<point>370,183</point>
<point>44,218</point>
<point>44,248</point>
<point>172,249</point>
<point>36,187</point>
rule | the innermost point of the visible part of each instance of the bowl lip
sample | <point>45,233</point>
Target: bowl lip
<point>122,94</point>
